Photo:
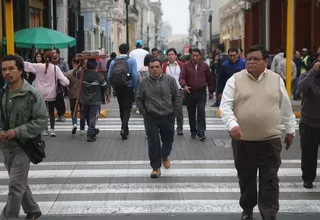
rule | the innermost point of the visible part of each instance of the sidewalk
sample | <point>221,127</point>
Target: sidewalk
<point>112,109</point>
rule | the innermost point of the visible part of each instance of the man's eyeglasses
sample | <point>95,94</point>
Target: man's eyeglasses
<point>254,59</point>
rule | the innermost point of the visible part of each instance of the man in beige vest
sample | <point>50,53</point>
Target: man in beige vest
<point>253,104</point>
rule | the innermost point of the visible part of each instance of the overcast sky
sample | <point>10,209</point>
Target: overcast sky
<point>179,21</point>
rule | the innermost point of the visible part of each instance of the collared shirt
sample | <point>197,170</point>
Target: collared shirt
<point>228,97</point>
<point>174,71</point>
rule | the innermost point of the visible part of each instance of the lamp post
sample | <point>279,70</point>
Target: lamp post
<point>9,26</point>
<point>210,23</point>
<point>148,36</point>
<point>127,2</point>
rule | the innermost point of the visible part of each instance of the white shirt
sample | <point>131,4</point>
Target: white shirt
<point>174,71</point>
<point>139,54</point>
<point>228,96</point>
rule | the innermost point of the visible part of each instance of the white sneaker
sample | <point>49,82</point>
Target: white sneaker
<point>45,133</point>
<point>52,133</point>
<point>74,129</point>
<point>138,112</point>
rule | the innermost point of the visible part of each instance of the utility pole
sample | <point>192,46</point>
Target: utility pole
<point>210,23</point>
<point>9,26</point>
<point>127,19</point>
<point>148,36</point>
<point>289,46</point>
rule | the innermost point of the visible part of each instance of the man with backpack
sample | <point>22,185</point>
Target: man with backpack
<point>124,79</point>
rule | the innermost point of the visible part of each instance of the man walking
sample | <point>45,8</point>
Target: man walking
<point>124,79</point>
<point>158,99</point>
<point>309,128</point>
<point>23,116</point>
<point>173,67</point>
<point>195,76</point>
<point>254,102</point>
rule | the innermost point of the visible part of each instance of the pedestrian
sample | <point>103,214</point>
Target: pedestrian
<point>254,102</point>
<point>309,127</point>
<point>158,100</point>
<point>94,88</point>
<point>194,78</point>
<point>23,116</point>
<point>124,79</point>
<point>173,67</point>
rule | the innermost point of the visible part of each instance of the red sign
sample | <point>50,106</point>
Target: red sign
<point>186,49</point>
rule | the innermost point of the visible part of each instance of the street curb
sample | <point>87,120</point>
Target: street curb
<point>103,114</point>
<point>218,113</point>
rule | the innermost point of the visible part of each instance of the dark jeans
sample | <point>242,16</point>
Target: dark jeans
<point>125,99</point>
<point>309,142</point>
<point>163,125</point>
<point>50,106</point>
<point>180,112</point>
<point>89,113</point>
<point>249,156</point>
<point>60,105</point>
<point>196,103</point>
<point>74,120</point>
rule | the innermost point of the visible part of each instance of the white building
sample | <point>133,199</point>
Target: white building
<point>199,32</point>
<point>166,31</point>
<point>62,22</point>
<point>104,24</point>
<point>156,8</point>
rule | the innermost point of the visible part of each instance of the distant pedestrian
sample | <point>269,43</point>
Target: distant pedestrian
<point>158,99</point>
<point>253,104</point>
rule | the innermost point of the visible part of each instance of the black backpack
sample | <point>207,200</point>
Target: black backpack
<point>120,75</point>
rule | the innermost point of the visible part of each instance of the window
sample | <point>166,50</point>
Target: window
<point>35,19</point>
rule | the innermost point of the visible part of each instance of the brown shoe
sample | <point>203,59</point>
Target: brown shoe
<point>156,173</point>
<point>166,163</point>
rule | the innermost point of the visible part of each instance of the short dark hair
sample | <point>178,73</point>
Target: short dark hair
<point>17,58</point>
<point>196,50</point>
<point>124,48</point>
<point>233,49</point>
<point>57,50</point>
<point>147,59</point>
<point>260,48</point>
<point>154,50</point>
<point>113,55</point>
<point>221,47</point>
<point>155,60</point>
<point>91,64</point>
<point>172,50</point>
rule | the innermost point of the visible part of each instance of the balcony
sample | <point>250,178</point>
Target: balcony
<point>133,13</point>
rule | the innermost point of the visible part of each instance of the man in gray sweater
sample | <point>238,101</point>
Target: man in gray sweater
<point>158,99</point>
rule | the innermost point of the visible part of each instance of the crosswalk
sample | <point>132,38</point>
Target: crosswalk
<point>136,124</point>
<point>87,188</point>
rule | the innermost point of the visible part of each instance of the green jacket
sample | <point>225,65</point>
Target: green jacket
<point>26,111</point>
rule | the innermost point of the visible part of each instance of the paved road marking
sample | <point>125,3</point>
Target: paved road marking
<point>97,173</point>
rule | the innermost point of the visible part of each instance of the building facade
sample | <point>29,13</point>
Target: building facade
<point>232,23</point>
<point>156,8</point>
<point>266,23</point>
<point>199,31</point>
<point>165,33</point>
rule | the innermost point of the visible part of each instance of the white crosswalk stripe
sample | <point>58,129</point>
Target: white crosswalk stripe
<point>136,124</point>
<point>124,187</point>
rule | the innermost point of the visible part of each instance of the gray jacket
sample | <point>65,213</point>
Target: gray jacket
<point>158,97</point>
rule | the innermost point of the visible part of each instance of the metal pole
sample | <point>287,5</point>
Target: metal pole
<point>148,36</point>
<point>210,22</point>
<point>127,19</point>
<point>9,26</point>
<point>289,46</point>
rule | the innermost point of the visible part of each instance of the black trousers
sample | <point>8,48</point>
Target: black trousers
<point>60,105</point>
<point>309,142</point>
<point>50,106</point>
<point>159,128</point>
<point>196,103</point>
<point>249,156</point>
<point>125,97</point>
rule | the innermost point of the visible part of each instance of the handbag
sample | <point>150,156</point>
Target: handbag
<point>59,86</point>
<point>34,148</point>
